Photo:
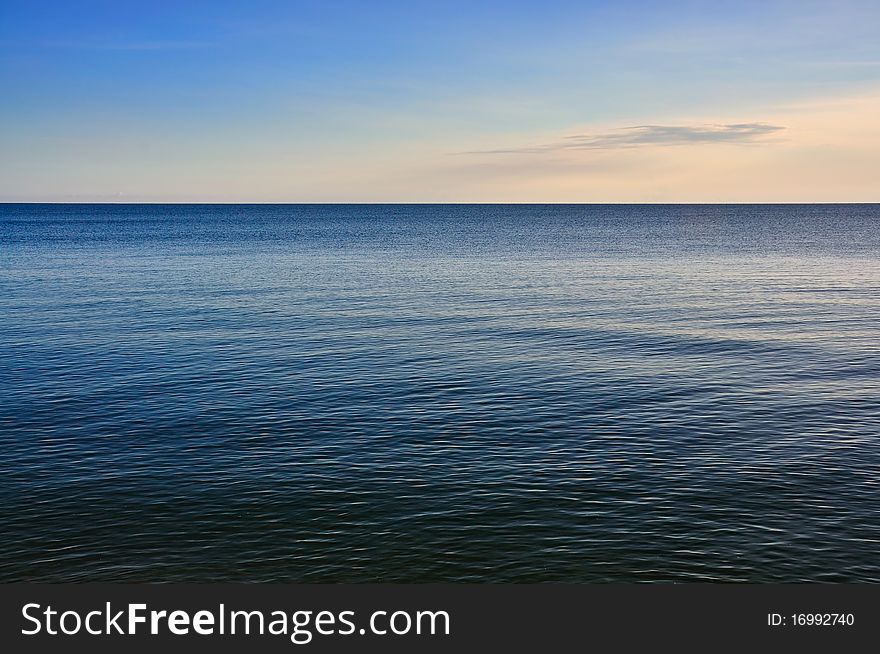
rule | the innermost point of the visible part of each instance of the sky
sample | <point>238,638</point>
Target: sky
<point>442,101</point>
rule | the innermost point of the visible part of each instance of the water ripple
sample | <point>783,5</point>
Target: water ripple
<point>428,393</point>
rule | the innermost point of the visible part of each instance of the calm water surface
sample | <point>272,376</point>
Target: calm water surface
<point>440,393</point>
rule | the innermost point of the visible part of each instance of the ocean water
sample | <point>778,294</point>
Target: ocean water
<point>440,393</point>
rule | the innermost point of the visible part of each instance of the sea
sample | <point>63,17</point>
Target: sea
<point>439,393</point>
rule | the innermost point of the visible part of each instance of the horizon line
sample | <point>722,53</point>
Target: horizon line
<point>426,203</point>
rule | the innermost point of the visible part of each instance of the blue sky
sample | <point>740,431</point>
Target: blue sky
<point>439,101</point>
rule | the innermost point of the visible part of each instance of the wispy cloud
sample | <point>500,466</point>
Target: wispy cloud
<point>647,135</point>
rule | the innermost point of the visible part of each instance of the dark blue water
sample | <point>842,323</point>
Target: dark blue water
<point>440,393</point>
